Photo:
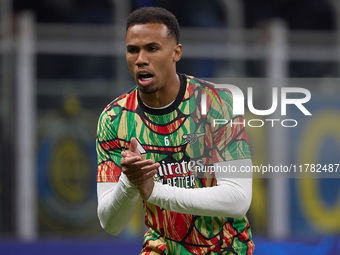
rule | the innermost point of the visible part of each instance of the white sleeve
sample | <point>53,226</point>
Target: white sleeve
<point>230,198</point>
<point>116,204</point>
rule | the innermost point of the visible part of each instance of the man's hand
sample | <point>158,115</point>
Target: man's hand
<point>140,172</point>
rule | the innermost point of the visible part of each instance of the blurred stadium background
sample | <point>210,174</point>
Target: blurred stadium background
<point>62,62</point>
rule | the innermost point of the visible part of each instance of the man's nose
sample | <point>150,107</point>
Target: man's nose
<point>142,58</point>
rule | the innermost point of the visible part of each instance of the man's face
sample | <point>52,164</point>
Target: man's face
<point>151,55</point>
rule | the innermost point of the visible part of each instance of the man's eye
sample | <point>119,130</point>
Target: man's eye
<point>153,49</point>
<point>132,50</point>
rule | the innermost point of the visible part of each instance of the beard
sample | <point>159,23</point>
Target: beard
<point>148,90</point>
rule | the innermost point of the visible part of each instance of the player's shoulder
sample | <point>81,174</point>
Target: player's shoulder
<point>208,87</point>
<point>198,82</point>
<point>205,84</point>
<point>126,101</point>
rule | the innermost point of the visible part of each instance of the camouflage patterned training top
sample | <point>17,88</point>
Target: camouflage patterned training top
<point>185,140</point>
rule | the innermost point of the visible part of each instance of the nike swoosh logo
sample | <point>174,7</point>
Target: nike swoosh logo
<point>140,148</point>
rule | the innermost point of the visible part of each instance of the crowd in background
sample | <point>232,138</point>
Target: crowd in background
<point>298,15</point>
<point>303,14</point>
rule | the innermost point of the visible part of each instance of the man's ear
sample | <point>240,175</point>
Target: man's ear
<point>177,52</point>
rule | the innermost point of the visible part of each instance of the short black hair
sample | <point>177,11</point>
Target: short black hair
<point>154,15</point>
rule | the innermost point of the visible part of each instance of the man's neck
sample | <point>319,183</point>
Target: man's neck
<point>162,97</point>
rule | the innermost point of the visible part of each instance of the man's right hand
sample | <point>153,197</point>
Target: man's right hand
<point>140,172</point>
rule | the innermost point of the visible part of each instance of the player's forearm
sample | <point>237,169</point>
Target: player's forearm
<point>116,205</point>
<point>212,201</point>
<point>231,198</point>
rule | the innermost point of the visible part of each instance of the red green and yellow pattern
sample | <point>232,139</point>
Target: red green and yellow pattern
<point>183,141</point>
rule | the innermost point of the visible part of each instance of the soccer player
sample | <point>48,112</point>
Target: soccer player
<point>158,142</point>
